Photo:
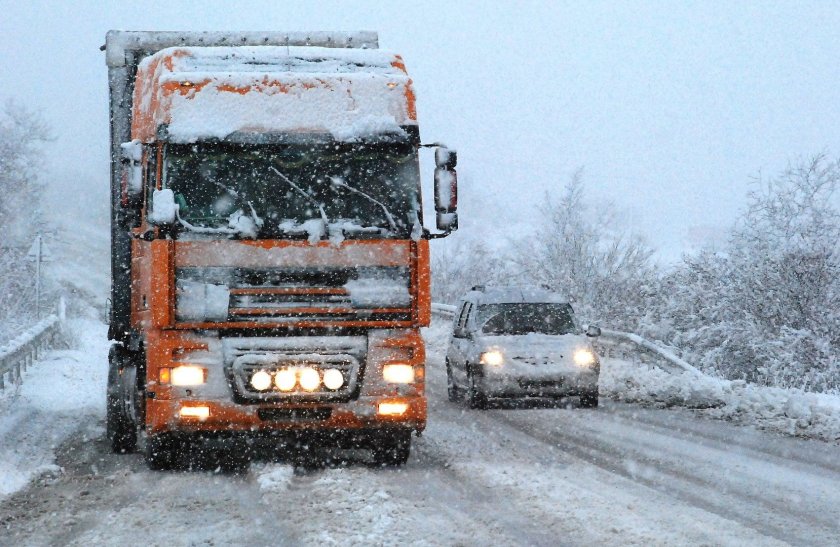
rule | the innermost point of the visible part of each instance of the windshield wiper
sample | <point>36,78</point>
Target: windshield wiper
<point>305,195</point>
<point>339,182</point>
<point>258,222</point>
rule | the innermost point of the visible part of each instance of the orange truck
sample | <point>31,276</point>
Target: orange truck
<point>270,266</point>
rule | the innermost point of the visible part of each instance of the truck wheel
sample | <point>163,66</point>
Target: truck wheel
<point>393,452</point>
<point>162,451</point>
<point>119,428</point>
<point>451,390</point>
<point>121,433</point>
<point>589,399</point>
<point>475,398</point>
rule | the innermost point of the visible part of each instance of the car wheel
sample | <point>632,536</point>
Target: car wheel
<point>589,399</point>
<point>451,389</point>
<point>393,452</point>
<point>475,398</point>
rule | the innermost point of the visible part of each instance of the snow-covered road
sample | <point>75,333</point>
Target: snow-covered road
<point>617,475</point>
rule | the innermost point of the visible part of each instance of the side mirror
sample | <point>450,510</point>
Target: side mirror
<point>163,208</point>
<point>132,156</point>
<point>593,331</point>
<point>446,189</point>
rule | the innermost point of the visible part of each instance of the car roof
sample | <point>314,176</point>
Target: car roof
<point>514,295</point>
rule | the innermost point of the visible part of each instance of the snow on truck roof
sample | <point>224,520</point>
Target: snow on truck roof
<point>515,295</point>
<point>203,93</point>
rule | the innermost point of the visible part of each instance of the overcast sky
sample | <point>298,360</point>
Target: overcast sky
<point>671,108</point>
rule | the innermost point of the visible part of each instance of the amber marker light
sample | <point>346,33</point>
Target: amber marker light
<point>197,412</point>
<point>392,409</point>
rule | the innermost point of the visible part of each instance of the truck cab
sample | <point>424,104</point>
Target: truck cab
<point>271,267</point>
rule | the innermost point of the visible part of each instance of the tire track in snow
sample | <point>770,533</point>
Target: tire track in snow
<point>764,517</point>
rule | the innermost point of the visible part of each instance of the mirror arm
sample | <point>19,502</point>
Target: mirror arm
<point>430,235</point>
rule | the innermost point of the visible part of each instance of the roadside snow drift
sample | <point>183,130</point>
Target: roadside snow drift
<point>63,394</point>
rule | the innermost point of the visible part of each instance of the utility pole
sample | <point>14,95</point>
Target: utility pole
<point>39,253</point>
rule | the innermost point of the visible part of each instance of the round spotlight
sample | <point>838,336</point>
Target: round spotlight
<point>285,379</point>
<point>309,379</point>
<point>333,378</point>
<point>261,380</point>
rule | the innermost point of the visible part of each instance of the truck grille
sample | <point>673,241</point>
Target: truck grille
<point>336,294</point>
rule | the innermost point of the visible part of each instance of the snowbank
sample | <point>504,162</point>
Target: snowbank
<point>789,411</point>
<point>63,394</point>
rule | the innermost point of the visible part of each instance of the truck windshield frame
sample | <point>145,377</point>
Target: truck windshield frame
<point>216,182</point>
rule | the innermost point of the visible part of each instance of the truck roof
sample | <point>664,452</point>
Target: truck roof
<point>201,93</point>
<point>129,47</point>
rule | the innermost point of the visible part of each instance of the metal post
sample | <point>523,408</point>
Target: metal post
<point>38,277</point>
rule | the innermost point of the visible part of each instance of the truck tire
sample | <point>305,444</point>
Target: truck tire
<point>451,389</point>
<point>120,431</point>
<point>589,399</point>
<point>393,452</point>
<point>119,428</point>
<point>163,451</point>
<point>475,398</point>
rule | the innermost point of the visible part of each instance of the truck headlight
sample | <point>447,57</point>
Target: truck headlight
<point>398,374</point>
<point>493,357</point>
<point>183,375</point>
<point>584,357</point>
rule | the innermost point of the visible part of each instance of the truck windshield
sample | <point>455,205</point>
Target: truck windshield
<point>285,188</point>
<point>541,318</point>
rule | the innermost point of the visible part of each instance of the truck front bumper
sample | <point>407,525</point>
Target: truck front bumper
<point>364,413</point>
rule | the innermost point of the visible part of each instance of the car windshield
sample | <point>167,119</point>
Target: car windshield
<point>359,188</point>
<point>541,318</point>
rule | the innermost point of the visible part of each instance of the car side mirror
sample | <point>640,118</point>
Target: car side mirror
<point>163,208</point>
<point>446,189</point>
<point>593,331</point>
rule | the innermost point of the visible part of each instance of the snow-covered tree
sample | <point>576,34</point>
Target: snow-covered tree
<point>585,253</point>
<point>766,308</point>
<point>22,134</point>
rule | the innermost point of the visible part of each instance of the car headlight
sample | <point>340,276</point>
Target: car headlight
<point>493,357</point>
<point>584,357</point>
<point>398,374</point>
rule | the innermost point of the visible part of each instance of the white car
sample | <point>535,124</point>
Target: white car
<point>520,342</point>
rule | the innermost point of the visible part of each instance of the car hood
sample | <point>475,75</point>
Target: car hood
<point>536,352</point>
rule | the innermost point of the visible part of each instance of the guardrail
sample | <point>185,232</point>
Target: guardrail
<point>613,343</point>
<point>628,346</point>
<point>27,347</point>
